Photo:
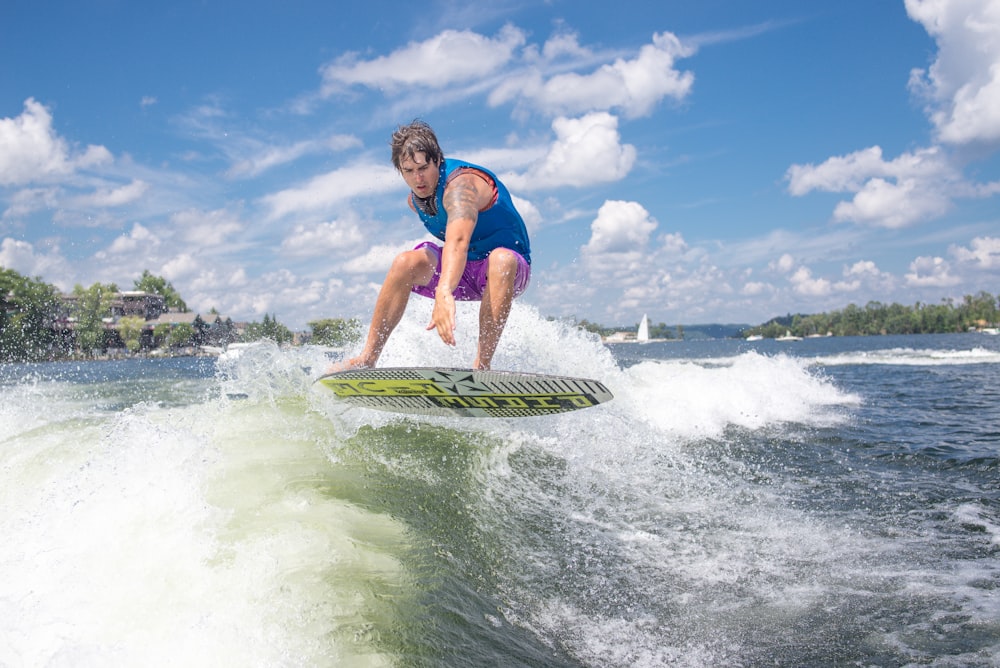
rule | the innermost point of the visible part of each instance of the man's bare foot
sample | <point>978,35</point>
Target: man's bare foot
<point>346,365</point>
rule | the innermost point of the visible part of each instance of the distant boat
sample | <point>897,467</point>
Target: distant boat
<point>642,336</point>
<point>990,330</point>
<point>755,337</point>
<point>788,337</point>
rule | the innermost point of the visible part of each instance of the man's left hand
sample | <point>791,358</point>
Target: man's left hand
<point>443,317</point>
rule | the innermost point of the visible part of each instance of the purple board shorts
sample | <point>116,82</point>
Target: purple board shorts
<point>473,282</point>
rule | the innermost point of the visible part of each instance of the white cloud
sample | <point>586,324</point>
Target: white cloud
<point>447,58</point>
<point>30,150</point>
<point>837,174</point>
<point>28,200</point>
<point>633,87</point>
<point>962,85</point>
<point>139,240</point>
<point>326,190</point>
<point>111,197</point>
<point>983,254</point>
<point>894,204</point>
<point>23,258</point>
<point>206,228</point>
<point>933,272</point>
<point>268,157</point>
<point>378,258</point>
<point>564,44</point>
<point>865,274</point>
<point>783,264</point>
<point>323,238</point>
<point>756,288</point>
<point>804,284</point>
<point>532,217</point>
<point>181,266</point>
<point>914,187</point>
<point>586,151</point>
<point>620,227</point>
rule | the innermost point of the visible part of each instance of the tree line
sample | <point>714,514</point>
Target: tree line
<point>875,318</point>
<point>35,322</point>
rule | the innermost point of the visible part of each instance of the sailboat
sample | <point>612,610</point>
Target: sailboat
<point>642,336</point>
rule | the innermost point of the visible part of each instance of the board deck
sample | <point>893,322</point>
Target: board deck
<point>464,392</point>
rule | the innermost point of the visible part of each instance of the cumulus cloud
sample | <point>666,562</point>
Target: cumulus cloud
<point>327,190</point>
<point>962,85</point>
<point>620,227</point>
<point>28,200</point>
<point>864,274</point>
<point>896,193</point>
<point>983,253</point>
<point>139,240</point>
<point>755,288</point>
<point>783,264</point>
<point>323,238</point>
<point>532,217</point>
<point>30,149</point>
<point>633,87</point>
<point>181,266</point>
<point>206,228</point>
<point>562,78</point>
<point>24,258</point>
<point>378,258</point>
<point>804,284</point>
<point>933,272</point>
<point>961,89</point>
<point>586,151</point>
<point>447,58</point>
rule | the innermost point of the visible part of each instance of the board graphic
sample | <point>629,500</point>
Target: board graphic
<point>464,392</point>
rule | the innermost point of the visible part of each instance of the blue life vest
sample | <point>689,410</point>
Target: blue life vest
<point>499,226</point>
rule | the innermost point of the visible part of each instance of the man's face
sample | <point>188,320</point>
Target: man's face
<point>420,174</point>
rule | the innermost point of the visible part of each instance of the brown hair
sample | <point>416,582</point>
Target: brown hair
<point>417,137</point>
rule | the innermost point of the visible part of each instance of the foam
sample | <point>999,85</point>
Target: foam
<point>163,537</point>
<point>912,357</point>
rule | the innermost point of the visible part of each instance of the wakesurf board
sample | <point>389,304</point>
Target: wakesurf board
<point>464,392</point>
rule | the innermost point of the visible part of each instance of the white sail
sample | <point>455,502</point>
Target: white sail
<point>642,336</point>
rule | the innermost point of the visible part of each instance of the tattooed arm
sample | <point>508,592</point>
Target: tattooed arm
<point>464,197</point>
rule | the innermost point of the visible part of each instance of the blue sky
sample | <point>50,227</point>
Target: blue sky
<point>719,161</point>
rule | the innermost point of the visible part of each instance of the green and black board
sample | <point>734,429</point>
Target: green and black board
<point>463,392</point>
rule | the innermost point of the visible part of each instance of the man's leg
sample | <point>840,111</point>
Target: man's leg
<point>415,267</point>
<point>495,307</point>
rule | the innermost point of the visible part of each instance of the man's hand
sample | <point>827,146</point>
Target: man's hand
<point>443,316</point>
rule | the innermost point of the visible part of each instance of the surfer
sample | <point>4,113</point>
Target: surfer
<point>486,255</point>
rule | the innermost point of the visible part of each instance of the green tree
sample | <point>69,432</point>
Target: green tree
<point>201,327</point>
<point>92,306</point>
<point>130,329</point>
<point>161,334</point>
<point>270,328</point>
<point>158,285</point>
<point>660,331</point>
<point>27,310</point>
<point>335,331</point>
<point>221,332</point>
<point>180,335</point>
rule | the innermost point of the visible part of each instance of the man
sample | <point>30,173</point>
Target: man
<point>486,256</point>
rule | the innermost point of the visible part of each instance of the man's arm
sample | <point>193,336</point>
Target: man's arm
<point>463,199</point>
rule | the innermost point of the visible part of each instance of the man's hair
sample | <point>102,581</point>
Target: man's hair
<point>417,137</point>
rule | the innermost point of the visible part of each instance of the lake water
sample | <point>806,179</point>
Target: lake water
<point>825,502</point>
